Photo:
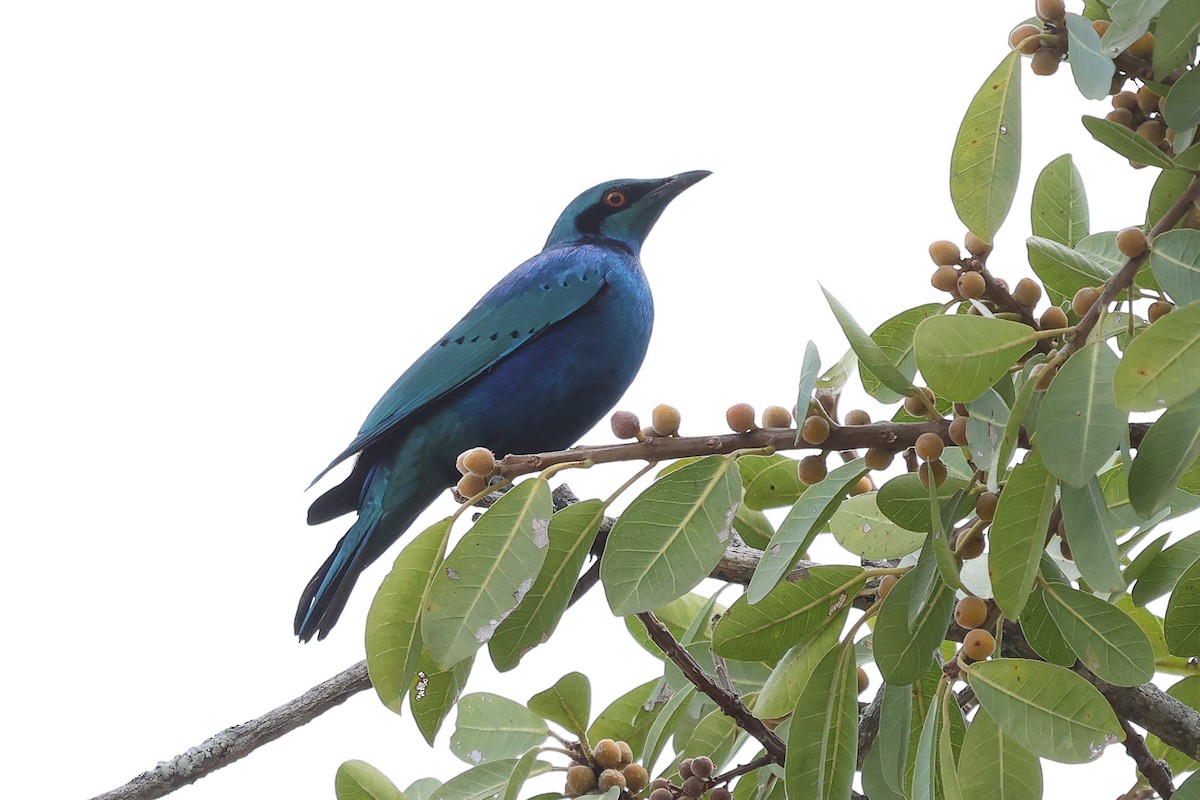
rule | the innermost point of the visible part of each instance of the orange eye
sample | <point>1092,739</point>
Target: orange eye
<point>615,199</point>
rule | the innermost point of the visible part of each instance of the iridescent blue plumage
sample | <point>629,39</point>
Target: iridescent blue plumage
<point>531,367</point>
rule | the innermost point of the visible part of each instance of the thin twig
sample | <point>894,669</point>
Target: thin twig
<point>725,777</point>
<point>727,701</point>
<point>868,725</point>
<point>1155,771</point>
<point>1125,276</point>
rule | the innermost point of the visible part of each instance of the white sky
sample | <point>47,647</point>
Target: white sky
<point>227,227</point>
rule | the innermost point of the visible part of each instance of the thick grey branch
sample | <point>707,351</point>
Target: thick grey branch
<point>233,743</point>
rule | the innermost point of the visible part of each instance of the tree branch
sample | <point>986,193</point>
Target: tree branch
<point>1155,771</point>
<point>234,743</point>
<point>727,701</point>
<point>891,435</point>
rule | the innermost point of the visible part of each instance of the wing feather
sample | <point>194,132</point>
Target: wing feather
<point>544,290</point>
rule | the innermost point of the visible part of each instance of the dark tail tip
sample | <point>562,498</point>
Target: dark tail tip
<point>325,596</point>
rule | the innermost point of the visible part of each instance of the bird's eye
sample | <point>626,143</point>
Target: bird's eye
<point>615,199</point>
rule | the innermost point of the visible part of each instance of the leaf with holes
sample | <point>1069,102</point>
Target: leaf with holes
<point>572,531</point>
<point>488,573</point>
<point>393,638</point>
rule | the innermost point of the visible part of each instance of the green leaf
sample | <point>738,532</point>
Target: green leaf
<point>1018,534</point>
<point>905,501</point>
<point>627,719</point>
<point>488,573</point>
<point>1167,450</point>
<point>1189,789</point>
<point>1022,414</point>
<point>1175,35</point>
<point>1060,208</point>
<point>434,691</point>
<point>421,789</point>
<point>822,740</point>
<point>1126,143</point>
<point>947,769</point>
<point>715,734</point>
<point>1106,640</point>
<point>1181,625</point>
<point>1042,632</point>
<point>1047,709</point>
<point>986,159</point>
<point>770,481</point>
<point>788,614</point>
<point>1063,271</point>
<point>672,712</point>
<point>520,774</point>
<point>1182,108</point>
<point>904,652</point>
<point>572,531</point>
<point>1168,187</point>
<point>1175,260</point>
<point>1130,19</point>
<point>568,702</point>
<point>1079,424</point>
<point>868,352</point>
<point>671,536</point>
<point>810,371</point>
<point>1159,572</point>
<point>393,638</point>
<point>895,339</point>
<point>753,526</point>
<point>491,727</point>
<point>485,781</point>
<point>894,728</point>
<point>962,356</point>
<point>993,765</point>
<point>358,780</point>
<point>800,527</point>
<point>861,528</point>
<point>924,781</point>
<point>783,686</point>
<point>1090,529</point>
<point>987,417</point>
<point>1090,66</point>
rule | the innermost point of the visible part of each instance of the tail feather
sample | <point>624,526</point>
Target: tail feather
<point>326,594</point>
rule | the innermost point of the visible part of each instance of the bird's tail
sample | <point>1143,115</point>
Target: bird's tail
<point>326,594</point>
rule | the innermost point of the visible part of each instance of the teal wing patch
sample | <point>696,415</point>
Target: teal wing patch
<point>497,326</point>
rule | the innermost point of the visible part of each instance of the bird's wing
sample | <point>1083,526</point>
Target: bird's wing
<point>544,290</point>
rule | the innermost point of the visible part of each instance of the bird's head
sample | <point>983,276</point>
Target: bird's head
<point>623,211</point>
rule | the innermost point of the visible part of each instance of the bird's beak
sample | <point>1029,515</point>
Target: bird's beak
<point>672,186</point>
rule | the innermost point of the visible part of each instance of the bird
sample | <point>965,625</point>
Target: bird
<point>538,361</point>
